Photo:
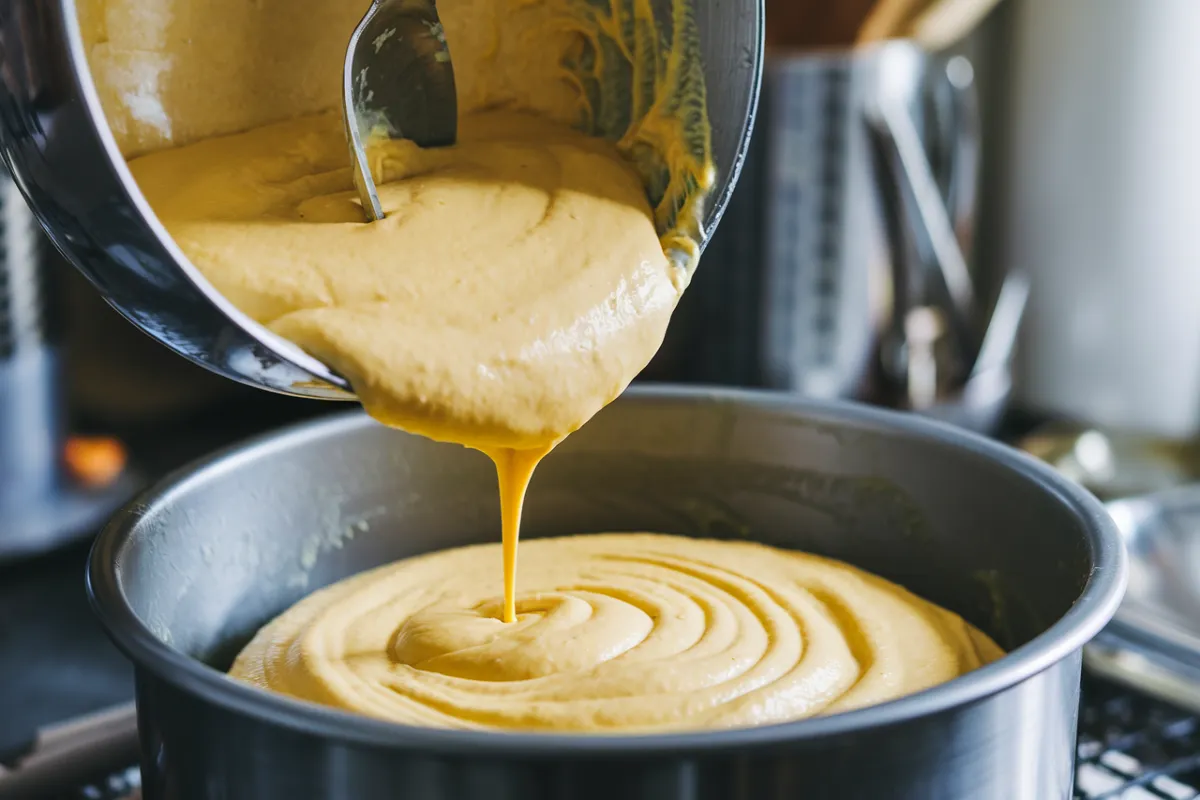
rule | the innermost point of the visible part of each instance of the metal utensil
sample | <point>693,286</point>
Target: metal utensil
<point>819,224</point>
<point>398,82</point>
<point>890,119</point>
<point>834,268</point>
<point>56,140</point>
<point>979,404</point>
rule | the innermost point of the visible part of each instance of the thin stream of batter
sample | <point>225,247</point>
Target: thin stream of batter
<point>514,470</point>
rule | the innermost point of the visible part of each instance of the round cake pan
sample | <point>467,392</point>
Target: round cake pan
<point>185,575</point>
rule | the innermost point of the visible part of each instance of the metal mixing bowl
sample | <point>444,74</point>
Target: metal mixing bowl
<point>184,576</point>
<point>55,140</point>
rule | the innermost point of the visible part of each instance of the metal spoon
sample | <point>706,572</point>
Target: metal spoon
<point>397,83</point>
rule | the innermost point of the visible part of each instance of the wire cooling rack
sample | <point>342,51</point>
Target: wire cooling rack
<point>1131,747</point>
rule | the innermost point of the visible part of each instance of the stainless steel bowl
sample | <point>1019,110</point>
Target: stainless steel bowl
<point>56,141</point>
<point>184,576</point>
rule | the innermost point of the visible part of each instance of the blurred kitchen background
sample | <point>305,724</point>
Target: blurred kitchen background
<point>987,212</point>
<point>1063,143</point>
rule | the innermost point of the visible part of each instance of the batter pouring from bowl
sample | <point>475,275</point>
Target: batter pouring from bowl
<point>521,278</point>
<point>518,283</point>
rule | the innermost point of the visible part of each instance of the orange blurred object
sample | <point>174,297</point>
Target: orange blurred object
<point>95,461</point>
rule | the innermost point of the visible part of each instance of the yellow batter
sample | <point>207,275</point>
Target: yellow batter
<point>514,288</point>
<point>519,282</point>
<point>616,633</point>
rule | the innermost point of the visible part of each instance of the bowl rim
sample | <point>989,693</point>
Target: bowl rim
<point>1095,606</point>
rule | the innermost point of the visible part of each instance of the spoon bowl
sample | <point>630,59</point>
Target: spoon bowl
<point>398,83</point>
<point>56,141</point>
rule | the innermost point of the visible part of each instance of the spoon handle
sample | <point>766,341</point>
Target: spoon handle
<point>398,82</point>
<point>363,180</point>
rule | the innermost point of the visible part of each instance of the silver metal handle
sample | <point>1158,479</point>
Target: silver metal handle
<point>956,106</point>
<point>889,117</point>
<point>930,197</point>
<point>1144,670</point>
<point>927,207</point>
<point>1000,339</point>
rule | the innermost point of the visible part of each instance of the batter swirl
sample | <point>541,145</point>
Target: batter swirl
<point>616,633</point>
